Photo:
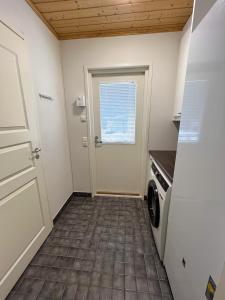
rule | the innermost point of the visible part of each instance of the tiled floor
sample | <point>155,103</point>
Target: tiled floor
<point>98,249</point>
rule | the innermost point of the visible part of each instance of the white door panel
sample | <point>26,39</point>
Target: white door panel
<point>118,164</point>
<point>19,155</point>
<point>17,136</point>
<point>11,105</point>
<point>17,180</point>
<point>24,214</point>
<point>20,221</point>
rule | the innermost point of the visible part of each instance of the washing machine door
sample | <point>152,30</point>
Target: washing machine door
<point>153,204</point>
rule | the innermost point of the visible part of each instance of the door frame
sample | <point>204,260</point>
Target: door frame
<point>89,71</point>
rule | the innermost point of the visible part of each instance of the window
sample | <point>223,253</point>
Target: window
<point>118,112</point>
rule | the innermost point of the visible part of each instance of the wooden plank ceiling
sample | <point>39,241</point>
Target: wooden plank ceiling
<point>73,19</point>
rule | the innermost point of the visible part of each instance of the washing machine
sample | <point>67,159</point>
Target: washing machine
<point>158,197</point>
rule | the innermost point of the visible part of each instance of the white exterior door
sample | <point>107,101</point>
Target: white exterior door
<point>118,115</point>
<point>24,214</point>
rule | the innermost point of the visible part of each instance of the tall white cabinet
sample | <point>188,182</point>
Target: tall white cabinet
<point>195,246</point>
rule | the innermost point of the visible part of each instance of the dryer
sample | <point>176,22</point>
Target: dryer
<point>158,197</point>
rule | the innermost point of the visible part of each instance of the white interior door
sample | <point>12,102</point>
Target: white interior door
<point>24,213</point>
<point>118,115</point>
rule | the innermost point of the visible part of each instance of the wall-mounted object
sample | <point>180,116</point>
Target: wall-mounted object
<point>80,101</point>
<point>45,97</point>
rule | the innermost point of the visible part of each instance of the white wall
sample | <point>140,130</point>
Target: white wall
<point>159,49</point>
<point>45,59</point>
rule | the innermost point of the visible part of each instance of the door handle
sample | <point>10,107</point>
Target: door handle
<point>35,153</point>
<point>97,141</point>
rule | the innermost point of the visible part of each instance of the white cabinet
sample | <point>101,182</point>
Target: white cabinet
<point>196,221</point>
<point>181,69</point>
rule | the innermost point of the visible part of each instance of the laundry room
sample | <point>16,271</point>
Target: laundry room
<point>112,168</point>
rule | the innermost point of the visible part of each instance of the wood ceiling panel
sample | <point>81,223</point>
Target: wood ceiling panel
<point>123,18</point>
<point>91,18</point>
<point>123,25</point>
<point>82,4</point>
<point>142,30</point>
<point>117,10</point>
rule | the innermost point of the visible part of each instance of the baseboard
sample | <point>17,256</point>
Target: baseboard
<point>63,207</point>
<point>82,194</point>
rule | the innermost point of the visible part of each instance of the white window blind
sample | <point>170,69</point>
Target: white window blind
<point>195,93</point>
<point>118,112</point>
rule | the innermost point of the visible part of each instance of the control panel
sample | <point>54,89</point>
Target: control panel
<point>160,178</point>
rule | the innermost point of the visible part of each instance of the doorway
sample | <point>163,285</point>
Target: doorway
<point>118,106</point>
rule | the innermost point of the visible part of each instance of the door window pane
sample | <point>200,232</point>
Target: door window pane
<point>118,112</point>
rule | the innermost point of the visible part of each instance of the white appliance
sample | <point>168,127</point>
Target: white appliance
<point>195,246</point>
<point>158,197</point>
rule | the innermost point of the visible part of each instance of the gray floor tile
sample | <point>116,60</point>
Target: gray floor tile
<point>140,270</point>
<point>30,286</point>
<point>94,293</point>
<point>70,292</point>
<point>154,287</point>
<point>151,271</point>
<point>161,272</point>
<point>119,268</point>
<point>108,267</point>
<point>93,244</point>
<point>44,260</point>
<point>167,297</point>
<point>87,265</point>
<point>105,294</point>
<point>156,297</point>
<point>118,295</point>
<point>142,284</point>
<point>72,277</point>
<point>130,283</point>
<point>165,288</point>
<point>144,296</point>
<point>15,296</point>
<point>84,278</point>
<point>118,282</point>
<point>139,259</point>
<point>81,293</point>
<point>129,269</point>
<point>95,279</point>
<point>130,295</point>
<point>52,290</point>
<point>64,262</point>
<point>72,252</point>
<point>106,280</point>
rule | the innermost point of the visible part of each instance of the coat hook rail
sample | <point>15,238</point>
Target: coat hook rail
<point>45,97</point>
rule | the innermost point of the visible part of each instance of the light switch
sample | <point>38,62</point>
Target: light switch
<point>84,141</point>
<point>83,118</point>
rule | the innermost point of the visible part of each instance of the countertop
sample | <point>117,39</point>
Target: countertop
<point>166,161</point>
